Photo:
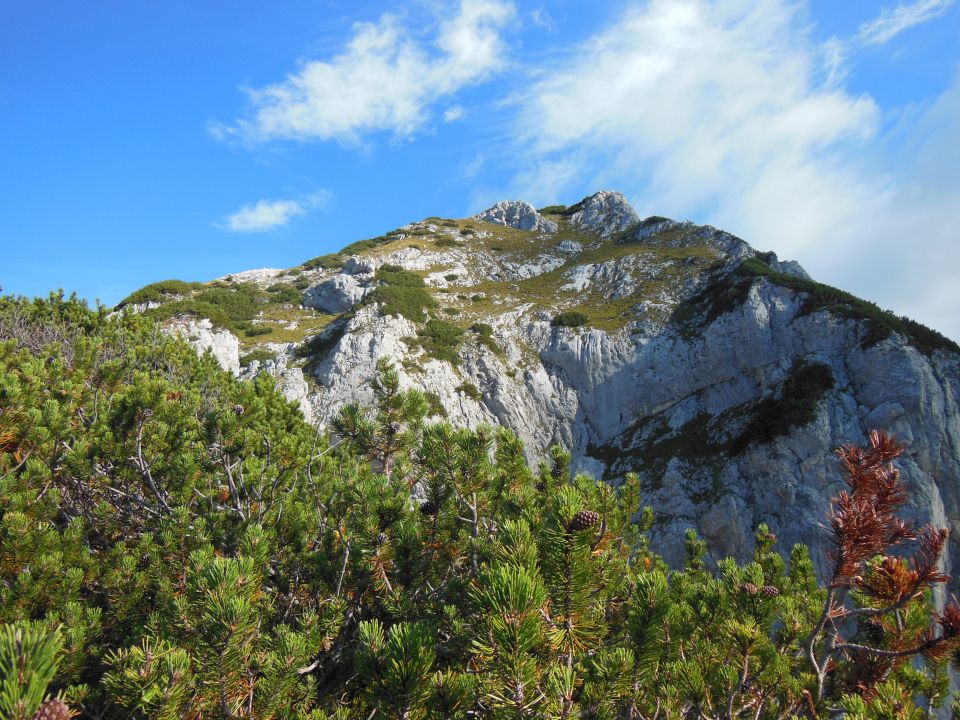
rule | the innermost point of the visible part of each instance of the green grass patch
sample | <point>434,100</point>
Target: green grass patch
<point>552,210</point>
<point>409,302</point>
<point>260,355</point>
<point>401,293</point>
<point>330,261</point>
<point>288,324</point>
<point>227,306</point>
<point>674,266</point>
<point>484,336</point>
<point>570,318</point>
<point>159,292</point>
<point>395,275</point>
<point>363,245</point>
<point>470,390</point>
<point>283,293</point>
<point>440,339</point>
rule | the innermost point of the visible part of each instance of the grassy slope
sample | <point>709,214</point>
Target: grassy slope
<point>264,315</point>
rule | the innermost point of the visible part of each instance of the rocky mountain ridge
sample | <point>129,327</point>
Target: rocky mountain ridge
<point>721,374</point>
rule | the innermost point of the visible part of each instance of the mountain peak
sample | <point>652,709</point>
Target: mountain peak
<point>605,213</point>
<point>517,214</point>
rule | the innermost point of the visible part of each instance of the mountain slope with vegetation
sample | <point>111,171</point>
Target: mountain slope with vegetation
<point>718,373</point>
<point>176,543</point>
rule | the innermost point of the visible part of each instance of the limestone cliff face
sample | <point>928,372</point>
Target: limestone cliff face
<point>677,351</point>
<point>201,333</point>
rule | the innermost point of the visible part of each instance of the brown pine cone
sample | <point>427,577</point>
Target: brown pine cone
<point>429,507</point>
<point>583,520</point>
<point>770,591</point>
<point>750,589</point>
<point>53,709</point>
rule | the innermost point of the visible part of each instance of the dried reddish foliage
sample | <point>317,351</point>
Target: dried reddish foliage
<point>864,520</point>
<point>866,527</point>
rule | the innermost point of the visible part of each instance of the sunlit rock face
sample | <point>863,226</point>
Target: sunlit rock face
<point>517,214</point>
<point>646,345</point>
<point>222,344</point>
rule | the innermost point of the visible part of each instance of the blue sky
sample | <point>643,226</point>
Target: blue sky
<point>143,141</point>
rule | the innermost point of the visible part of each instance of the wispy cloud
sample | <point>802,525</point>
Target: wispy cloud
<point>387,79</point>
<point>541,18</point>
<point>270,214</point>
<point>833,54</point>
<point>732,113</point>
<point>454,113</point>
<point>893,21</point>
<point>703,108</point>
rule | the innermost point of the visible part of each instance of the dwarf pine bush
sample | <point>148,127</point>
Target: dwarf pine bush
<point>178,544</point>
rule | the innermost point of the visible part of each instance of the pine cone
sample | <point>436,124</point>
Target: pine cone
<point>770,591</point>
<point>53,709</point>
<point>873,630</point>
<point>239,410</point>
<point>750,589</point>
<point>430,507</point>
<point>583,520</point>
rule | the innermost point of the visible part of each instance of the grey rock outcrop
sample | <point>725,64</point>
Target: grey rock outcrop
<point>336,295</point>
<point>670,391</point>
<point>615,398</point>
<point>517,214</point>
<point>200,332</point>
<point>604,213</point>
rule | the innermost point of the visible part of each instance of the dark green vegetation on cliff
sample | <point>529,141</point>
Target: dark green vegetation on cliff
<point>732,290</point>
<point>175,543</point>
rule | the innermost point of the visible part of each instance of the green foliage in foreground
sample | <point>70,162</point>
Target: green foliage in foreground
<point>178,544</point>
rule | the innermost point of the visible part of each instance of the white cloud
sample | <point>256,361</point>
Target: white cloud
<point>454,113</point>
<point>833,54</point>
<point>892,22</point>
<point>471,168</point>
<point>542,18</point>
<point>906,252</point>
<point>702,107</point>
<point>385,80</point>
<point>270,214</point>
<point>730,113</point>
